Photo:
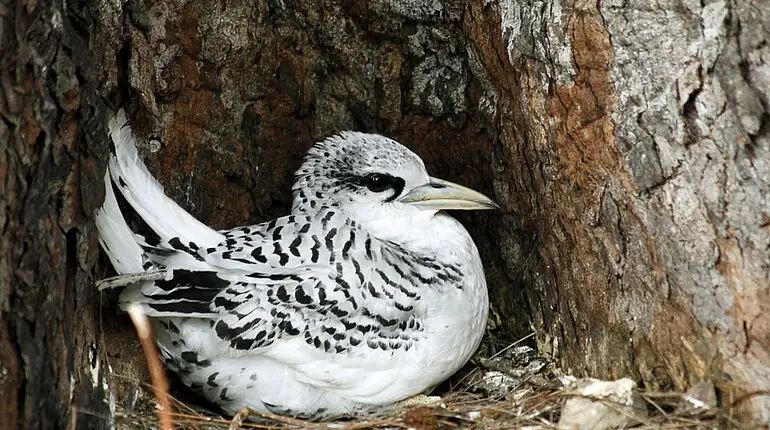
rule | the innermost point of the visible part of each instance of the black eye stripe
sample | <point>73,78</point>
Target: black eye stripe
<point>398,187</point>
<point>379,182</point>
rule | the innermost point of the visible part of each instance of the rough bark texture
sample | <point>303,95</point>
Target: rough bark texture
<point>49,174</point>
<point>628,144</point>
<point>635,146</point>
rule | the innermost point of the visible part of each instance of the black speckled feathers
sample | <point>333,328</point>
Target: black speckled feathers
<point>293,277</point>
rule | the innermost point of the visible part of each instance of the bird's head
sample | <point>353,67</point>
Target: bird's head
<point>371,176</point>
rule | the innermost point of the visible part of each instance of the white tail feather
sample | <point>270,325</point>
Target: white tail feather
<point>141,261</point>
<point>146,196</point>
<point>117,240</point>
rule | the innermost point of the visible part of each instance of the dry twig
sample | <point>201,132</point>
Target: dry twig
<point>158,375</point>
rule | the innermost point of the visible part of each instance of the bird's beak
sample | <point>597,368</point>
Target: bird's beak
<point>439,194</point>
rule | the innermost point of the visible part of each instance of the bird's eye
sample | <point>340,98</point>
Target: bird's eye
<point>377,182</point>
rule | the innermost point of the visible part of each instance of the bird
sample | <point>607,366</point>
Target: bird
<point>366,294</point>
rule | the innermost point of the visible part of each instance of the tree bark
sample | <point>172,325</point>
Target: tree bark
<point>634,147</point>
<point>628,145</point>
<point>50,171</point>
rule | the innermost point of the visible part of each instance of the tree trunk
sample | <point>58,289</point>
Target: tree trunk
<point>628,145</point>
<point>50,172</point>
<point>635,152</point>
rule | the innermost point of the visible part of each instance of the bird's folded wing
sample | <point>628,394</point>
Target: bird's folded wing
<point>308,304</point>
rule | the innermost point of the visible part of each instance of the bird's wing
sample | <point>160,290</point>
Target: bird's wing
<point>329,284</point>
<point>189,278</point>
<point>253,309</point>
<point>333,288</point>
<point>308,304</point>
<point>331,307</point>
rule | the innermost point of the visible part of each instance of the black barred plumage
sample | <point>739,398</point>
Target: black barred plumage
<point>335,308</point>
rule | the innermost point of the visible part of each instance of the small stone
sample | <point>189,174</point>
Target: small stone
<point>498,384</point>
<point>602,405</point>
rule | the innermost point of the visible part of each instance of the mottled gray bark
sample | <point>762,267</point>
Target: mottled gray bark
<point>641,131</point>
<point>627,143</point>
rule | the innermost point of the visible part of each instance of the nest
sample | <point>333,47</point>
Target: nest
<point>513,389</point>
